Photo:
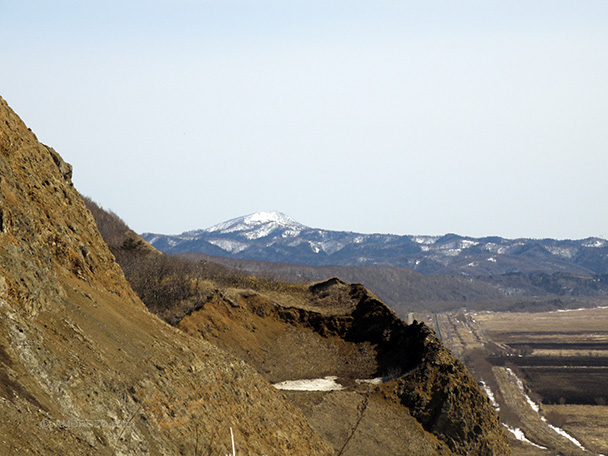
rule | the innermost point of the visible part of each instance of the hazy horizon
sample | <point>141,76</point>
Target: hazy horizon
<point>414,118</point>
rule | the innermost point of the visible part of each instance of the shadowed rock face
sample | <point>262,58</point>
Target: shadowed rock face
<point>343,330</point>
<point>445,399</point>
<point>436,387</point>
<point>84,368</point>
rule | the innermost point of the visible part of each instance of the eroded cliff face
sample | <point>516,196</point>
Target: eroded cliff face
<point>422,400</point>
<point>441,394</point>
<point>84,367</point>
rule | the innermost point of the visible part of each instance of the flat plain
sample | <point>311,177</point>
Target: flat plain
<point>547,372</point>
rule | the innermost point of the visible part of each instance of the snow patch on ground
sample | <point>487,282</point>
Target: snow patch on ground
<point>491,396</point>
<point>595,243</point>
<point>316,384</point>
<point>466,243</point>
<point>493,247</point>
<point>291,232</point>
<point>536,408</point>
<point>328,383</point>
<point>566,435</point>
<point>579,309</point>
<point>314,246</point>
<point>564,252</point>
<point>229,246</point>
<point>261,232</point>
<point>371,381</point>
<point>424,239</point>
<point>329,247</point>
<point>153,239</point>
<point>520,385</point>
<point>519,435</point>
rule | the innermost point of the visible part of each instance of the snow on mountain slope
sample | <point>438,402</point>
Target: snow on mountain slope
<point>274,236</point>
<point>259,225</point>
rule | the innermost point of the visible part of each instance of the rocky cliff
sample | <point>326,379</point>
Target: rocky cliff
<point>84,367</point>
<point>400,391</point>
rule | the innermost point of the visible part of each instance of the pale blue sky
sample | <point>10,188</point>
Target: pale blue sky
<point>480,118</point>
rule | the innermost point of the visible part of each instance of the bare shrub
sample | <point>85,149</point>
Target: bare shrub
<point>169,286</point>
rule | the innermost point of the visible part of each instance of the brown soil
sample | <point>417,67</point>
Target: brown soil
<point>364,423</point>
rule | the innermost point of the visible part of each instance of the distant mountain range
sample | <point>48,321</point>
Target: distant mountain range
<point>276,237</point>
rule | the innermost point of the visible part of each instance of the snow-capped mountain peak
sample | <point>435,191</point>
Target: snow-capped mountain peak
<point>274,236</point>
<point>258,225</point>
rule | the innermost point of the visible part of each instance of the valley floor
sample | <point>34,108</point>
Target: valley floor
<point>546,373</point>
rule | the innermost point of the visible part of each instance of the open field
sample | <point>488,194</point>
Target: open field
<point>588,424</point>
<point>539,342</point>
<point>547,372</point>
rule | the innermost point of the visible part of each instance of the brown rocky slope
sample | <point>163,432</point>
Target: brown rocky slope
<point>425,403</point>
<point>84,367</point>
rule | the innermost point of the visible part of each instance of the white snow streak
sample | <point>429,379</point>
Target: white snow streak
<point>371,381</point>
<point>519,435</point>
<point>566,435</point>
<point>315,384</point>
<point>579,309</point>
<point>520,385</point>
<point>490,395</point>
<point>536,408</point>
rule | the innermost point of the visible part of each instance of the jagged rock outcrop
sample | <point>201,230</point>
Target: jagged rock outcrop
<point>84,367</point>
<point>441,394</point>
<point>337,329</point>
